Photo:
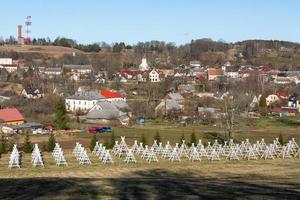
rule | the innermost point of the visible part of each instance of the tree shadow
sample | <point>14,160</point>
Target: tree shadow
<point>48,188</point>
<point>152,184</point>
<point>162,184</point>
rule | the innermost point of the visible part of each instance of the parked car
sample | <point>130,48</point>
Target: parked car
<point>100,129</point>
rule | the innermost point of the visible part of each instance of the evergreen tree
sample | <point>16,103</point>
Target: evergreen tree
<point>280,139</point>
<point>193,138</point>
<point>27,146</point>
<point>182,138</point>
<point>112,139</point>
<point>263,105</point>
<point>93,141</point>
<point>2,145</point>
<point>107,144</point>
<point>157,137</point>
<point>61,118</point>
<point>51,142</point>
<point>143,140</point>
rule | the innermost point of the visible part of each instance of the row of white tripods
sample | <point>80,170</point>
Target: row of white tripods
<point>230,150</point>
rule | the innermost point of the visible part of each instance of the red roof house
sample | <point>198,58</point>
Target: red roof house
<point>214,73</point>
<point>11,116</point>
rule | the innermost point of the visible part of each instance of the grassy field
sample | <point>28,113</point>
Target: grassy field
<point>262,179</point>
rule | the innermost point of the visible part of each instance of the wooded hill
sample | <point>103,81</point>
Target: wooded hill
<point>274,53</point>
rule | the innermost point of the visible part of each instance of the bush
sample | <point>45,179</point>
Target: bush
<point>143,140</point>
<point>27,146</point>
<point>157,137</point>
<point>93,142</point>
<point>280,139</point>
<point>193,139</point>
<point>2,145</point>
<point>51,143</point>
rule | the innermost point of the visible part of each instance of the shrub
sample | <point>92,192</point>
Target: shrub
<point>27,146</point>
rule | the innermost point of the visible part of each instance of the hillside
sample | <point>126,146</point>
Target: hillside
<point>276,54</point>
<point>55,51</point>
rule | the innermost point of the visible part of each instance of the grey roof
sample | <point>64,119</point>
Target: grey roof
<point>26,125</point>
<point>120,104</point>
<point>53,69</point>
<point>186,87</point>
<point>78,67</point>
<point>172,105</point>
<point>87,96</point>
<point>108,111</point>
<point>206,109</point>
<point>175,96</point>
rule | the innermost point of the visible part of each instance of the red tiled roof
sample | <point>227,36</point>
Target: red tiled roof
<point>282,95</point>
<point>214,72</point>
<point>110,94</point>
<point>130,72</point>
<point>10,115</point>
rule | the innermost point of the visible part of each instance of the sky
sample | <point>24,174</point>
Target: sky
<point>131,21</point>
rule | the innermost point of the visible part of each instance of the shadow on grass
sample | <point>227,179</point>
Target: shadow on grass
<point>152,184</point>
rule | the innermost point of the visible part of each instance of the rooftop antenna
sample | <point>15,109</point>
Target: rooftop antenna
<point>28,24</point>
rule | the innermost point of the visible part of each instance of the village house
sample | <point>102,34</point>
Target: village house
<point>155,76</point>
<point>77,72</point>
<point>186,88</point>
<point>106,112</point>
<point>285,111</point>
<point>214,73</point>
<point>11,116</point>
<point>53,71</point>
<point>7,63</point>
<point>173,102</point>
<point>294,102</point>
<point>195,63</point>
<point>83,101</point>
<point>32,93</point>
<point>79,69</point>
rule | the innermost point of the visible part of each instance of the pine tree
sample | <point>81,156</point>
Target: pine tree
<point>51,143</point>
<point>27,146</point>
<point>93,141</point>
<point>182,138</point>
<point>157,137</point>
<point>193,138</point>
<point>61,118</point>
<point>2,145</point>
<point>112,139</point>
<point>263,105</point>
<point>280,139</point>
<point>143,140</point>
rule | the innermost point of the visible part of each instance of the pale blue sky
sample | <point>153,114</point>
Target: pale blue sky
<point>177,21</point>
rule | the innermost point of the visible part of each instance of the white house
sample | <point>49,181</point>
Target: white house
<point>83,102</point>
<point>6,61</point>
<point>53,71</point>
<point>272,98</point>
<point>154,76</point>
<point>33,93</point>
<point>79,69</point>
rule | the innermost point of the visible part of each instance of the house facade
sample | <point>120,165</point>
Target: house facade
<point>82,102</point>
<point>155,76</point>
<point>33,93</point>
